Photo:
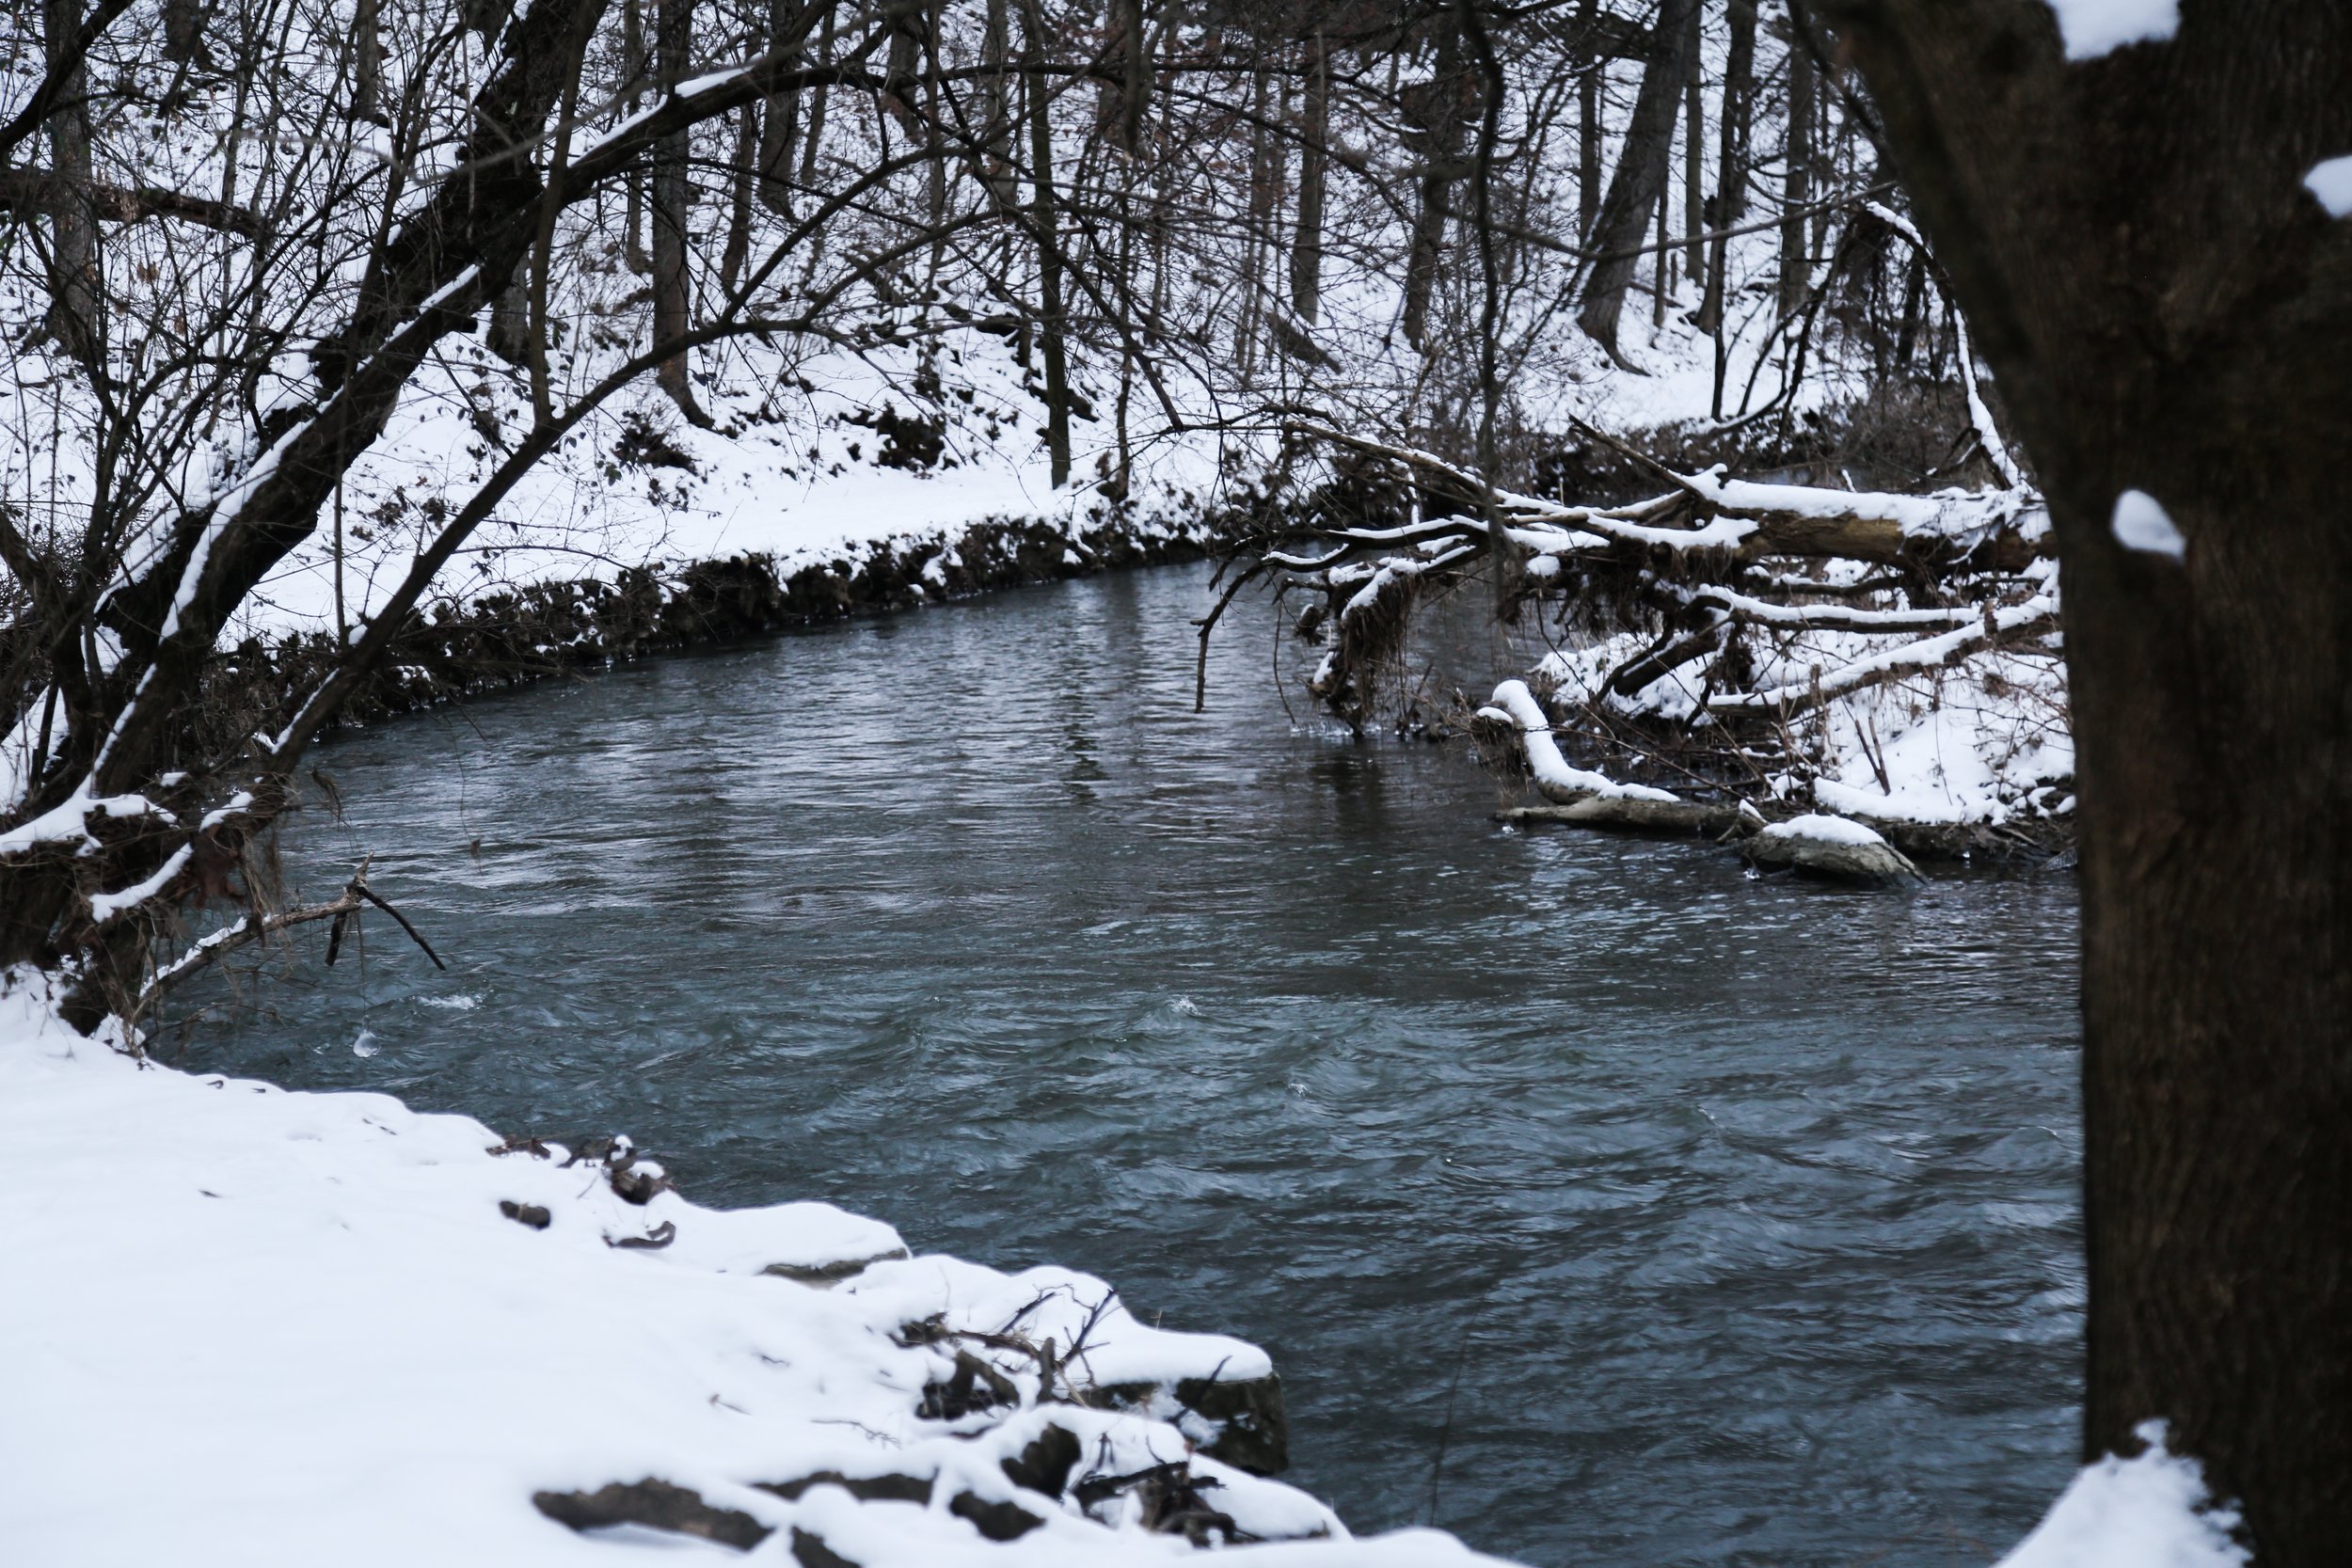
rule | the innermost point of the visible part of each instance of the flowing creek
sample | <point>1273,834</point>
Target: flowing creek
<point>1614,1208</point>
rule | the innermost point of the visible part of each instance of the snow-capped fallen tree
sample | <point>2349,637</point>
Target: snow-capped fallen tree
<point>1785,644</point>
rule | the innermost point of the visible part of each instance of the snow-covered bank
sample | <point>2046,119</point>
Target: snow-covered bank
<point>651,535</point>
<point>256,1327</point>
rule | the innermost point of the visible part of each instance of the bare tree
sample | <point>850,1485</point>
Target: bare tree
<point>1314,134</point>
<point>1796,252</point>
<point>1640,183</point>
<point>673,195</point>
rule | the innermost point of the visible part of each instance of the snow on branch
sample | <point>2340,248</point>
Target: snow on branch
<point>2036,617</point>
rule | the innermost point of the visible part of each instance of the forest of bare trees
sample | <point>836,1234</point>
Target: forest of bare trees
<point>238,262</point>
<point>1641,314</point>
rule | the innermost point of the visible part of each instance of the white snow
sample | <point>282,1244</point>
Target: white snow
<point>1826,829</point>
<point>1513,700</point>
<point>2332,182</point>
<point>261,1328</point>
<point>2150,1512</point>
<point>2096,27</point>
<point>2143,523</point>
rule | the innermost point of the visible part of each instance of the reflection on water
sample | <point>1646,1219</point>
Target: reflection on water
<point>1695,1220</point>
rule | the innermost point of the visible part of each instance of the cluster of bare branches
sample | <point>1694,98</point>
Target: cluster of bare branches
<point>1713,623</point>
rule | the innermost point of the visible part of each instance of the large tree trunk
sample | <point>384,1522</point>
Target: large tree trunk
<point>1314,133</point>
<point>673,41</point>
<point>2169,311</point>
<point>1640,183</point>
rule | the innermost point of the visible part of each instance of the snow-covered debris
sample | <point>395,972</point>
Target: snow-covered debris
<point>2141,523</point>
<point>1831,847</point>
<point>256,1327</point>
<point>2150,1511</point>
<point>1514,703</point>
<point>2096,27</point>
<point>2332,182</point>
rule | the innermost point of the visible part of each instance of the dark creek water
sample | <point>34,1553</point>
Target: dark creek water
<point>1691,1219</point>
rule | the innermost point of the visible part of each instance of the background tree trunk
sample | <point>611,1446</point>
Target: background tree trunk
<point>1796,255</point>
<point>367,61</point>
<point>1640,182</point>
<point>1120,110</point>
<point>509,336</point>
<point>1044,215</point>
<point>2169,311</point>
<point>745,175</point>
<point>1694,162</point>
<point>780,117</point>
<point>1437,114</point>
<point>1256,230</point>
<point>633,66</point>
<point>1731,175</point>
<point>996,105</point>
<point>1588,123</point>
<point>1314,134</point>
<point>817,97</point>
<point>909,21</point>
<point>74,320</point>
<point>673,195</point>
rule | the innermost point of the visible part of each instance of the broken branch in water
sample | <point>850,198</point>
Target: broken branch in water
<point>246,929</point>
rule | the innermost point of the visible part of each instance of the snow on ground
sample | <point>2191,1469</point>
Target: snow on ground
<point>253,1328</point>
<point>813,458</point>
<point>1987,741</point>
<point>2148,1511</point>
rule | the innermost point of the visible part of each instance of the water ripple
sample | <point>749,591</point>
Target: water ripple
<point>1700,1220</point>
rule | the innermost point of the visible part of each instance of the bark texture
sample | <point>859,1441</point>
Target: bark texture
<point>1731,177</point>
<point>780,117</point>
<point>2169,310</point>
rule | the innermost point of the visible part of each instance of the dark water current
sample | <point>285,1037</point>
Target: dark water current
<point>1695,1220</point>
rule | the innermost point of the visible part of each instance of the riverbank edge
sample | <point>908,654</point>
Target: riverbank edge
<point>510,636</point>
<point>366,1281</point>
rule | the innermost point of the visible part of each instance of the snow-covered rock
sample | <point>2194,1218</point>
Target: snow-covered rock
<point>1831,847</point>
